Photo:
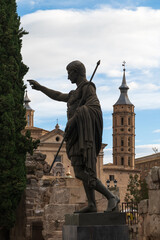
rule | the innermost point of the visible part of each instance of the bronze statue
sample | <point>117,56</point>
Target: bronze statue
<point>83,132</point>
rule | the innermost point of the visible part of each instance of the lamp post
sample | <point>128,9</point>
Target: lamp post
<point>108,183</point>
<point>115,183</point>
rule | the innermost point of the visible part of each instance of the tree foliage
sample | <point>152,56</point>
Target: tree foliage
<point>13,145</point>
<point>137,189</point>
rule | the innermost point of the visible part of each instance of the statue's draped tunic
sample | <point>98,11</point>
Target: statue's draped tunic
<point>84,142</point>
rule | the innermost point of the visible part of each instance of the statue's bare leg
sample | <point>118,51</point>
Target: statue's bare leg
<point>113,200</point>
<point>90,192</point>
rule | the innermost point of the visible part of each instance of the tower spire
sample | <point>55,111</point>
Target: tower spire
<point>124,84</point>
<point>123,99</point>
<point>26,101</point>
<point>29,111</point>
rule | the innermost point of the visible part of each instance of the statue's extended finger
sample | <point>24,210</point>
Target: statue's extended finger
<point>30,81</point>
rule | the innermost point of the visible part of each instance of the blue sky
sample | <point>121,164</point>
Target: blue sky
<point>113,31</point>
<point>25,7</point>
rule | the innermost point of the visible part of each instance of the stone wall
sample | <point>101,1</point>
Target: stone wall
<point>66,196</point>
<point>149,209</point>
<point>46,200</point>
<point>30,210</point>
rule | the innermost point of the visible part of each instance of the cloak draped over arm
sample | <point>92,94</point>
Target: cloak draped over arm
<point>86,137</point>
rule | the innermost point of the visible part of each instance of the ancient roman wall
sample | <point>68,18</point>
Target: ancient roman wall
<point>149,209</point>
<point>46,200</point>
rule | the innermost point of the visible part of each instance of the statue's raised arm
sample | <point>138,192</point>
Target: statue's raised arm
<point>56,95</point>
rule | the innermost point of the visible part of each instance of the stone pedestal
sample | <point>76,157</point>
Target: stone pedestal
<point>95,226</point>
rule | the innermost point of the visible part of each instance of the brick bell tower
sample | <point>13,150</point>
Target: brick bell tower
<point>29,111</point>
<point>123,128</point>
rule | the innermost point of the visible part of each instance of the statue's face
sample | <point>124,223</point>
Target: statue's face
<point>72,75</point>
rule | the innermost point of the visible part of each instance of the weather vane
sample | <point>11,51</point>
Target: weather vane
<point>123,64</point>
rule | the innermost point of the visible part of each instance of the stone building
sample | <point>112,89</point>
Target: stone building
<point>50,143</point>
<point>144,164</point>
<point>118,176</point>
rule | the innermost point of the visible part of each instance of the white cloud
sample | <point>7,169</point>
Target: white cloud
<point>57,37</point>
<point>107,128</point>
<point>114,73</point>
<point>144,150</point>
<point>103,88</point>
<point>133,86</point>
<point>151,86</point>
<point>146,100</point>
<point>157,131</point>
<point>107,156</point>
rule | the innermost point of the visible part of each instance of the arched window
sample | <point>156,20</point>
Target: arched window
<point>122,142</point>
<point>129,121</point>
<point>122,160</point>
<point>115,160</point>
<point>59,170</point>
<point>122,121</point>
<point>115,142</point>
<point>28,120</point>
<point>129,161</point>
<point>115,121</point>
<point>129,142</point>
<point>111,177</point>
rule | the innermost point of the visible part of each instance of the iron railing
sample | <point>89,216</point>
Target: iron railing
<point>131,210</point>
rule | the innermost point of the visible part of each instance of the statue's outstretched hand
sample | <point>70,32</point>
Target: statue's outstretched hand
<point>34,84</point>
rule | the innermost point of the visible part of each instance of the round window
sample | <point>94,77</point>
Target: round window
<point>57,139</point>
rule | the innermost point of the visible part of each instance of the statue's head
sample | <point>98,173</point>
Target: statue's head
<point>78,67</point>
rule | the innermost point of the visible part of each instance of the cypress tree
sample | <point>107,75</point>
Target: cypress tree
<point>13,145</point>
